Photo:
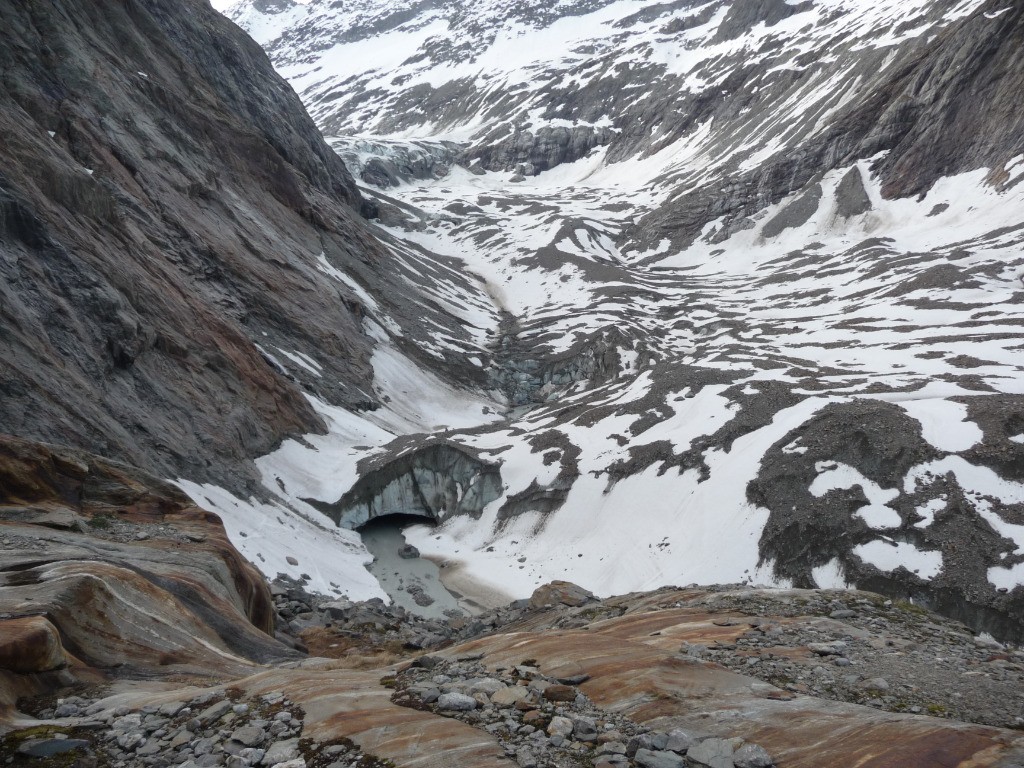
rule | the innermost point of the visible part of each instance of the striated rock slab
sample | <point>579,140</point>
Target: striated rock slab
<point>133,576</point>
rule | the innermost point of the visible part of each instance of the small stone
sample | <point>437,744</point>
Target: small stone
<point>249,735</point>
<point>752,756</point>
<point>281,752</point>
<point>843,613</point>
<point>203,746</point>
<point>827,649</point>
<point>291,560</point>
<point>171,708</point>
<point>129,741</point>
<point>151,747</point>
<point>560,693</point>
<point>879,684</point>
<point>561,726</point>
<point>276,728</point>
<point>654,741</point>
<point>713,753</point>
<point>508,696</point>
<point>252,756</point>
<point>430,695</point>
<point>680,741</point>
<point>214,711</point>
<point>486,685</point>
<point>456,702</point>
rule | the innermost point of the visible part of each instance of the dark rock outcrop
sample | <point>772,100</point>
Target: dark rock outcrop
<point>164,199</point>
<point>946,109</point>
<point>808,528</point>
<point>530,152</point>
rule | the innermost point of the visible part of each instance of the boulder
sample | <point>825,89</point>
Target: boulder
<point>752,756</point>
<point>560,693</point>
<point>560,593</point>
<point>456,702</point>
<point>648,758</point>
<point>30,644</point>
<point>713,753</point>
<point>507,697</point>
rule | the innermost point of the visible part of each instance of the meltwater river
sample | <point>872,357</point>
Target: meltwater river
<point>407,580</point>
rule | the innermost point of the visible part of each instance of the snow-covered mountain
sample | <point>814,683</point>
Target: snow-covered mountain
<point>721,291</point>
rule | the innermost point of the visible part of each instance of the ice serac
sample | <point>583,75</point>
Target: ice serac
<point>434,482</point>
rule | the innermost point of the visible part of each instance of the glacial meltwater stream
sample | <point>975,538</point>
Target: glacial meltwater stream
<point>412,582</point>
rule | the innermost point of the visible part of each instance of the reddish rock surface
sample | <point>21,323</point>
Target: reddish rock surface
<point>132,574</point>
<point>30,644</point>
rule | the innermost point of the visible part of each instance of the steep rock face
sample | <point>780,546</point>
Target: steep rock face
<point>134,577</point>
<point>164,201</point>
<point>531,153</point>
<point>943,110</point>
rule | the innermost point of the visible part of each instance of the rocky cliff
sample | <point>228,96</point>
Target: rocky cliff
<point>163,205</point>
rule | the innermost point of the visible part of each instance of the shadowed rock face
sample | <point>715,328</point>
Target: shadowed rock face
<point>133,576</point>
<point>163,202</point>
<point>944,110</point>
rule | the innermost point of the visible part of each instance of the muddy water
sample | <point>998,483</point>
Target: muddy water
<point>404,578</point>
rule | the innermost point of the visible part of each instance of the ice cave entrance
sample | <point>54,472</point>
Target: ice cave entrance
<point>411,581</point>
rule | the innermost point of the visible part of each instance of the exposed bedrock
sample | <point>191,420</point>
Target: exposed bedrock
<point>165,203</point>
<point>105,567</point>
<point>859,481</point>
<point>944,110</point>
<point>435,482</point>
<point>532,152</point>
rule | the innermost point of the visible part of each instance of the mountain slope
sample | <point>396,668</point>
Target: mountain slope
<point>757,266</point>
